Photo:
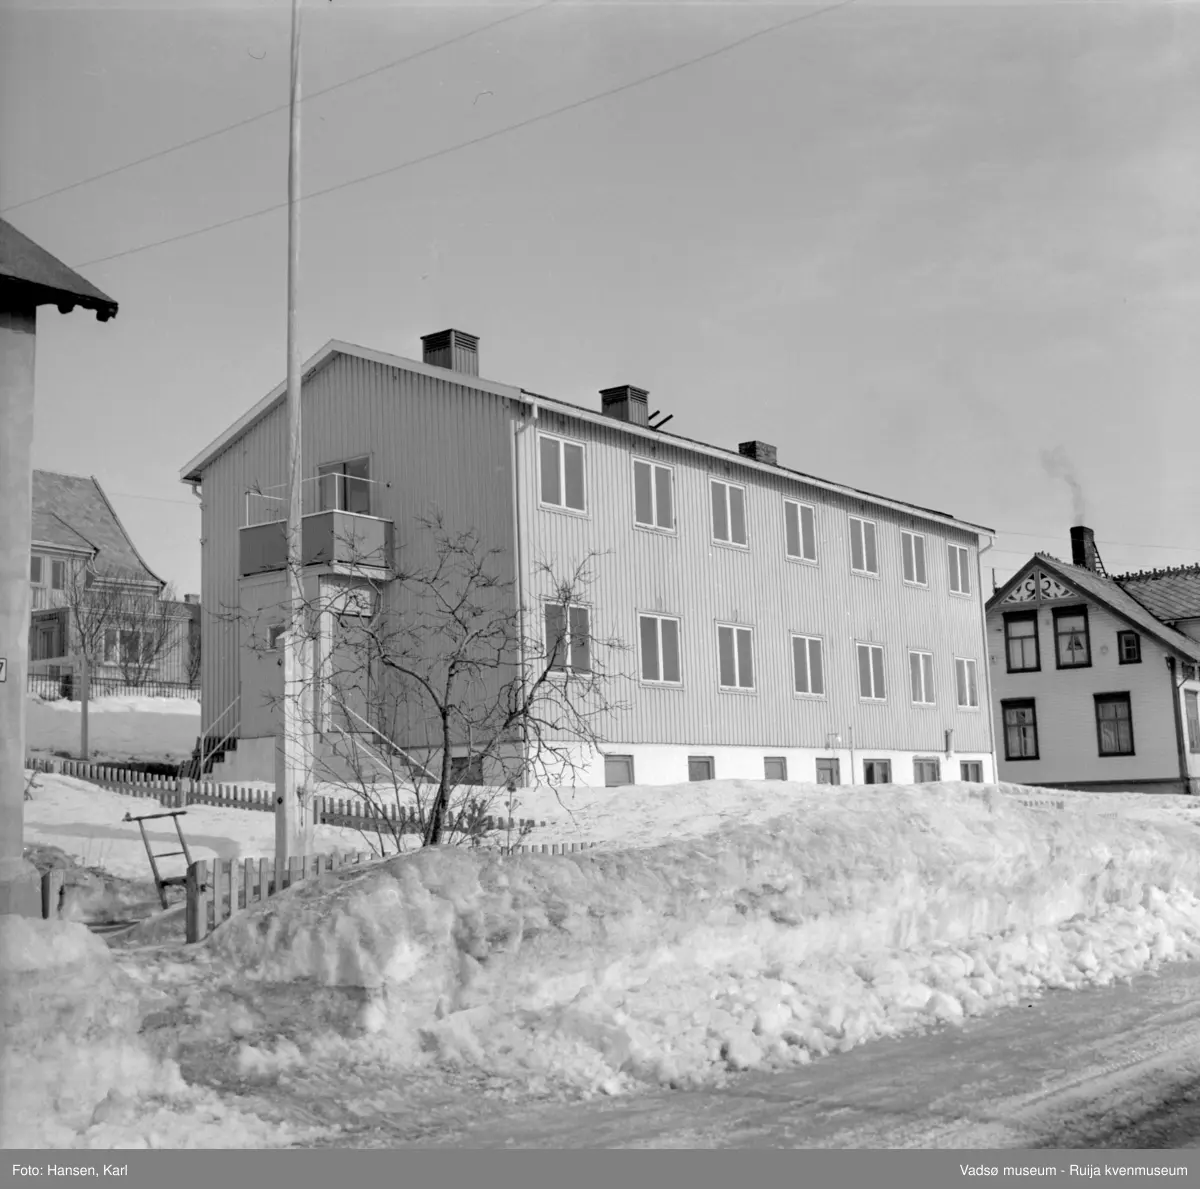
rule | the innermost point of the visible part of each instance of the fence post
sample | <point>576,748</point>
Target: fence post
<point>196,879</point>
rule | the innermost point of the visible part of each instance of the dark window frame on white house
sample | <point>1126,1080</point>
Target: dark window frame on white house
<point>345,486</point>
<point>958,559</point>
<point>800,531</point>
<point>653,495</point>
<point>1191,707</point>
<point>808,675</point>
<point>37,570</point>
<point>466,769</point>
<point>971,771</point>
<point>733,660</point>
<point>920,677</point>
<point>1129,648</point>
<point>562,476</point>
<point>871,677</point>
<point>1077,612</point>
<point>58,573</point>
<point>912,552</point>
<point>1011,638</point>
<point>926,769</point>
<point>1027,728</point>
<point>966,683</point>
<point>616,768</point>
<point>726,511</point>
<point>873,770</point>
<point>774,767</point>
<point>656,666</point>
<point>1114,732</point>
<point>568,636</point>
<point>701,768</point>
<point>275,636</point>
<point>864,547</point>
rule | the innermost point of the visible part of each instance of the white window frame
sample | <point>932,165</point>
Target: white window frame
<point>40,580</point>
<point>562,442</point>
<point>970,665</point>
<point>659,619</point>
<point>729,541</point>
<point>800,507</point>
<point>737,661</point>
<point>859,524</point>
<point>775,760</point>
<point>930,697</point>
<point>566,668</point>
<point>809,641</point>
<point>654,467</point>
<point>612,784</point>
<point>958,558</point>
<point>908,545</point>
<point>859,645</point>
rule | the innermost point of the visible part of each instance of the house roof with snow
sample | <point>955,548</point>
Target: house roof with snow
<point>73,513</point>
<point>192,472</point>
<point>33,275</point>
<point>1170,595</point>
<point>1109,593</point>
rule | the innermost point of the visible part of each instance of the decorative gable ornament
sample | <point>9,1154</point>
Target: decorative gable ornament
<point>1038,587</point>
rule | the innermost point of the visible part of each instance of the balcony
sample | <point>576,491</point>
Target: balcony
<point>337,530</point>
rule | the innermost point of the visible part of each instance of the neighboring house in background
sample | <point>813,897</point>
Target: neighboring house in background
<point>781,626</point>
<point>1096,679</point>
<point>88,581</point>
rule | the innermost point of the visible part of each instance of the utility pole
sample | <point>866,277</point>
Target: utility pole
<point>293,824</point>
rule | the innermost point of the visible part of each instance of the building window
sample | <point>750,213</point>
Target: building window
<point>1021,642</point>
<point>659,638</point>
<point>863,559</point>
<point>653,499</point>
<point>808,666</point>
<point>466,769</point>
<point>618,771</point>
<point>345,486</point>
<point>131,647</point>
<point>1072,645</point>
<point>966,683</point>
<point>800,530</point>
<point>735,653</point>
<point>971,771</point>
<point>1114,724</point>
<point>728,513</point>
<point>568,638</point>
<point>926,770</point>
<point>828,771</point>
<point>58,575</point>
<point>920,667</point>
<point>912,545</point>
<point>1129,648</point>
<point>877,771</point>
<point>562,473</point>
<point>1020,729</point>
<point>36,576</point>
<point>775,767</point>
<point>700,768</point>
<point>275,636</point>
<point>870,672</point>
<point>960,572</point>
<point>1193,719</point>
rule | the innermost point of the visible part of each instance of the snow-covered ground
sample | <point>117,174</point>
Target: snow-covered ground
<point>122,728</point>
<point>719,927</point>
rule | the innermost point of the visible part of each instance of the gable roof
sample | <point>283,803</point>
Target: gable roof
<point>1168,594</point>
<point>192,472</point>
<point>1109,594</point>
<point>74,513</point>
<point>46,280</point>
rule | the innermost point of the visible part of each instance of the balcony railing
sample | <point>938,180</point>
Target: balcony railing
<point>337,528</point>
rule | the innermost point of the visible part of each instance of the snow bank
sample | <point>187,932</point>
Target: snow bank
<point>794,921</point>
<point>118,728</point>
<point>75,1072</point>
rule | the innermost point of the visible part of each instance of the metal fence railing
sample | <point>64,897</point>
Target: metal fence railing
<point>54,687</point>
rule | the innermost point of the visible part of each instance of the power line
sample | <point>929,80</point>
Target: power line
<point>476,140</point>
<point>262,115</point>
<point>1003,532</point>
<point>158,499</point>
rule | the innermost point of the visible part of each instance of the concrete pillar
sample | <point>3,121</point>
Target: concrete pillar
<point>20,887</point>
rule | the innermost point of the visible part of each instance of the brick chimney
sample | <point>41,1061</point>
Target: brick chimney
<point>759,451</point>
<point>454,350</point>
<point>626,403</point>
<point>1083,547</point>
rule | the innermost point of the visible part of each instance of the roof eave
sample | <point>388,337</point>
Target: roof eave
<point>64,299</point>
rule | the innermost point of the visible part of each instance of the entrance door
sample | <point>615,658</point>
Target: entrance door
<point>828,772</point>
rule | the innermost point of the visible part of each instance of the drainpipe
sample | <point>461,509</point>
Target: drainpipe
<point>1180,748</point>
<point>850,739</point>
<point>987,659</point>
<point>519,539</point>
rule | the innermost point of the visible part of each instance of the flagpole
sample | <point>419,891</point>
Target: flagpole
<point>292,826</point>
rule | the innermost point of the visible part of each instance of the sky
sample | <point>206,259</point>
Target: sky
<point>947,253</point>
